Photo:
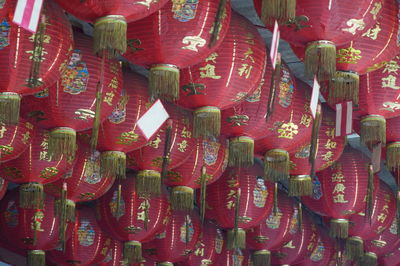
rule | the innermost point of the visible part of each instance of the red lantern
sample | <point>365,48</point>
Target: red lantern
<point>149,159</point>
<point>134,219</point>
<point>30,62</point>
<point>171,39</point>
<point>14,139</point>
<point>70,105</point>
<point>272,233</point>
<point>391,258</point>
<point>119,133</point>
<point>224,78</point>
<point>240,197</point>
<point>340,190</point>
<point>86,243</point>
<point>178,240</point>
<point>205,165</point>
<point>324,252</point>
<point>110,19</point>
<point>321,26</point>
<point>35,230</point>
<point>33,169</point>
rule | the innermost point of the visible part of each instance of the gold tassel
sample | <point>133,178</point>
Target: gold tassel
<point>165,264</point>
<point>167,147</point>
<point>31,196</point>
<point>373,130</point>
<point>344,87</point>
<point>119,198</point>
<point>276,165</point>
<point>221,14</point>
<point>275,207</point>
<point>146,213</point>
<point>109,36</point>
<point>300,217</point>
<point>66,209</point>
<point>300,185</point>
<point>339,228</point>
<point>187,238</point>
<point>62,142</point>
<point>182,198</point>
<point>369,259</point>
<point>207,122</point>
<point>241,152</point>
<point>132,252</point>
<point>9,107</point>
<point>34,79</point>
<point>314,139</point>
<point>36,258</point>
<point>148,182</point>
<point>262,258</point>
<point>320,60</point>
<point>369,200</point>
<point>274,85</point>
<point>280,10</point>
<point>203,192</point>
<point>393,156</point>
<point>96,121</point>
<point>354,247</point>
<point>164,82</point>
<point>113,164</point>
<point>236,239</point>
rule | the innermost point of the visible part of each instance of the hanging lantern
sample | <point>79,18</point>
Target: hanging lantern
<point>324,252</point>
<point>224,79</point>
<point>33,168</point>
<point>119,133</point>
<point>131,218</point>
<point>366,228</point>
<point>30,62</point>
<point>208,247</point>
<point>205,165</point>
<point>340,190</point>
<point>239,200</point>
<point>85,244</point>
<point>70,104</point>
<point>272,233</point>
<point>177,241</point>
<point>168,149</point>
<point>170,40</point>
<point>35,230</point>
<point>110,20</point>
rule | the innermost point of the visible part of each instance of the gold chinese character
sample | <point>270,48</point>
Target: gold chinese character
<point>25,137</point>
<point>348,56</point>
<point>327,156</point>
<point>232,193</point>
<point>182,146</point>
<point>338,177</point>
<point>390,82</point>
<point>289,245</point>
<point>28,125</point>
<point>385,208</point>
<point>113,83</point>
<point>381,217</point>
<point>391,67</point>
<point>186,133</point>
<point>339,188</point>
<point>43,156</point>
<point>199,251</point>
<point>306,120</point>
<point>155,143</point>
<point>3,130</point>
<point>375,10</point>
<point>288,130</point>
<point>339,198</point>
<point>391,106</point>
<point>127,138</point>
<point>114,68</point>
<point>330,132</point>
<point>247,55</point>
<point>354,25</point>
<point>141,216</point>
<point>372,33</point>
<point>330,144</point>
<point>233,183</point>
<point>246,70</point>
<point>46,38</point>
<point>231,204</point>
<point>310,246</point>
<point>209,72</point>
<point>193,42</point>
<point>249,38</point>
<point>37,55</point>
<point>379,243</point>
<point>212,57</point>
<point>109,98</point>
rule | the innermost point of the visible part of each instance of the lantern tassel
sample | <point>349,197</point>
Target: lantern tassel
<point>373,130</point>
<point>68,208</point>
<point>369,259</point>
<point>113,164</point>
<point>167,147</point>
<point>36,258</point>
<point>132,252</point>
<point>31,196</point>
<point>221,14</point>
<point>187,238</point>
<point>300,185</point>
<point>339,228</point>
<point>300,216</point>
<point>275,206</point>
<point>34,79</point>
<point>393,156</point>
<point>148,182</point>
<point>119,198</point>
<point>320,60</point>
<point>146,214</point>
<point>262,258</point>
<point>236,239</point>
<point>109,37</point>
<point>62,142</point>
<point>182,198</point>
<point>9,107</point>
<point>203,191</point>
<point>97,116</point>
<point>280,10</point>
<point>241,152</point>
<point>164,82</point>
<point>275,82</point>
<point>370,191</point>
<point>207,122</point>
<point>276,165</point>
<point>344,87</point>
<point>314,139</point>
<point>354,247</point>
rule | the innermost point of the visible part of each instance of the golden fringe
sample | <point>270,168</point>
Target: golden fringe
<point>31,196</point>
<point>36,258</point>
<point>164,82</point>
<point>62,142</point>
<point>236,239</point>
<point>280,10</point>
<point>373,130</point>
<point>369,259</point>
<point>241,152</point>
<point>276,165</point>
<point>113,164</point>
<point>207,122</point>
<point>9,107</point>
<point>344,87</point>
<point>354,247</point>
<point>110,35</point>
<point>339,228</point>
<point>182,198</point>
<point>314,139</point>
<point>300,185</point>
<point>320,60</point>
<point>132,252</point>
<point>262,258</point>
<point>148,182</point>
<point>203,193</point>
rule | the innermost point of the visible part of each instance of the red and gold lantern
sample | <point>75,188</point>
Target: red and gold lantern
<point>239,200</point>
<point>171,39</point>
<point>30,62</point>
<point>131,218</point>
<point>224,78</point>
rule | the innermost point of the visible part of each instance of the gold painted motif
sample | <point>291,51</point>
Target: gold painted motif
<point>133,45</point>
<point>127,138</point>
<point>208,71</point>
<point>155,143</point>
<point>84,114</point>
<point>147,3</point>
<point>376,9</point>
<point>238,120</point>
<point>391,67</point>
<point>193,43</point>
<point>183,146</point>
<point>37,221</point>
<point>348,55</point>
<point>372,33</point>
<point>288,130</point>
<point>391,106</point>
<point>354,25</point>
<point>379,243</point>
<point>48,172</point>
<point>26,137</point>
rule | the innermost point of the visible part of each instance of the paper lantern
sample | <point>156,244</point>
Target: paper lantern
<point>30,62</point>
<point>134,219</point>
<point>85,244</point>
<point>69,106</point>
<point>340,190</point>
<point>224,78</point>
<point>35,230</point>
<point>177,241</point>
<point>275,231</point>
<point>149,160</point>
<point>239,198</point>
<point>171,39</point>
<point>119,133</point>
